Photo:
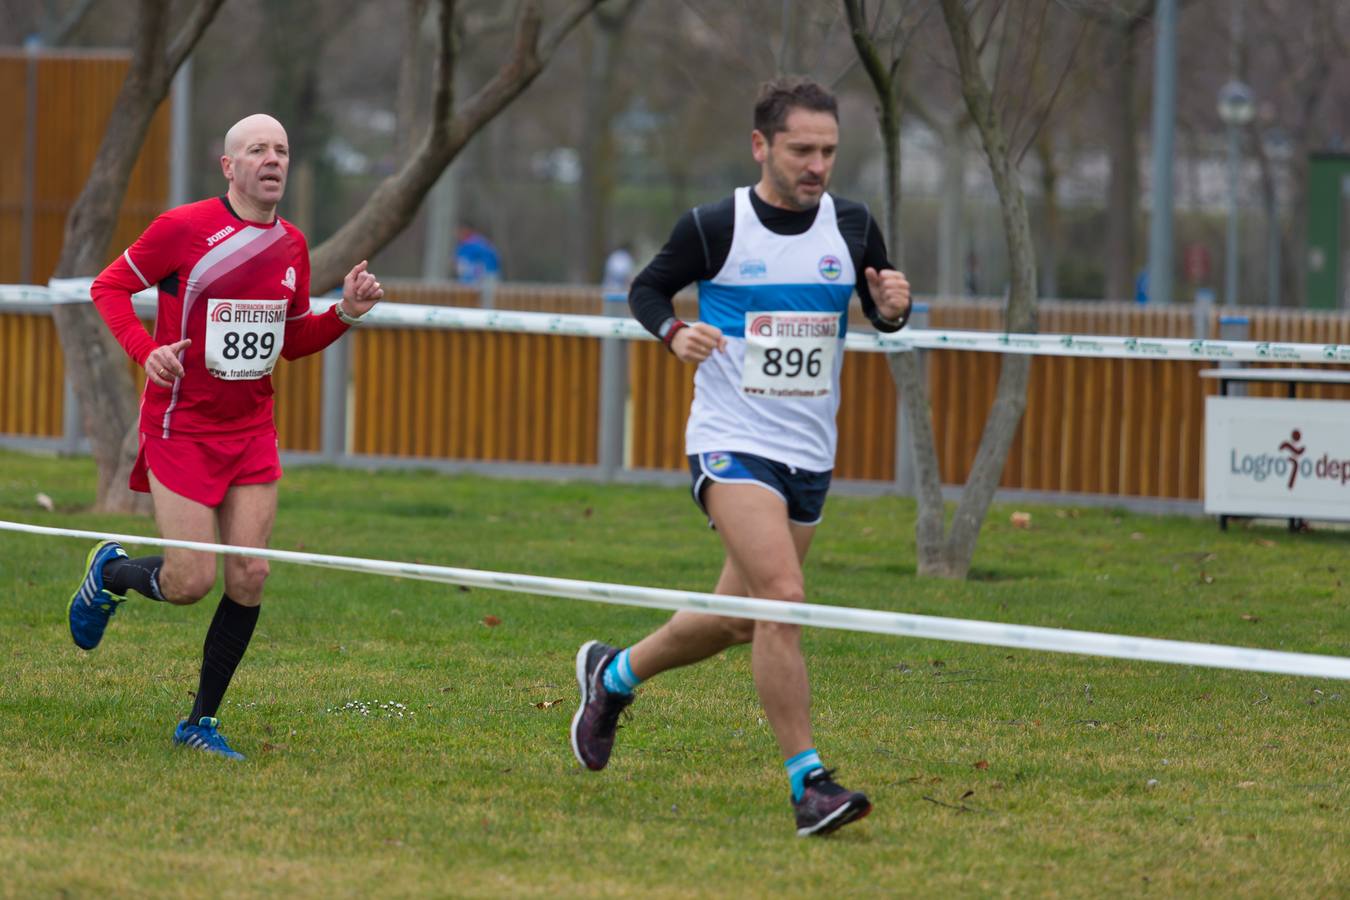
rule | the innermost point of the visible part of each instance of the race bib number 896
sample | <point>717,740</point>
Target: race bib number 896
<point>244,337</point>
<point>789,354</point>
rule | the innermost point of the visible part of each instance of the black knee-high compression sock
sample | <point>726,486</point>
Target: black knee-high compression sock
<point>140,574</point>
<point>226,640</point>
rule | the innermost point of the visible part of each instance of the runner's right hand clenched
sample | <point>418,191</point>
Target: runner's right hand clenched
<point>697,342</point>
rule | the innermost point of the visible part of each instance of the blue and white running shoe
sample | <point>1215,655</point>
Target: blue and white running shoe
<point>92,605</point>
<point>204,737</point>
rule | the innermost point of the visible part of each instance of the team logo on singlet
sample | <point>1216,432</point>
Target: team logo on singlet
<point>831,267</point>
<point>719,462</point>
<point>222,313</point>
<point>289,280</point>
<point>754,268</point>
<point>762,325</point>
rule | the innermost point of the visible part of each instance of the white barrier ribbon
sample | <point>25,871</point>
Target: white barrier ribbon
<point>967,631</point>
<point>455,318</point>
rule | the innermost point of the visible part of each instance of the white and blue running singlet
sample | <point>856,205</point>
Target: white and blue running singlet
<point>782,303</point>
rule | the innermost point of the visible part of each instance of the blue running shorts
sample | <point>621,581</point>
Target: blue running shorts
<point>803,492</point>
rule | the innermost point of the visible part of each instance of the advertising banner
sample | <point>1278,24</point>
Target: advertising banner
<point>1276,457</point>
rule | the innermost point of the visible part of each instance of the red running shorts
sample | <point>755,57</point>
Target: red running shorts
<point>203,471</point>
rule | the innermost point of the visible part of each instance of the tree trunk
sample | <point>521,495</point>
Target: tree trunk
<point>598,155</point>
<point>951,213</point>
<point>884,80</point>
<point>1122,206</point>
<point>952,557</point>
<point>1050,234</point>
<point>95,362</point>
<point>409,70</point>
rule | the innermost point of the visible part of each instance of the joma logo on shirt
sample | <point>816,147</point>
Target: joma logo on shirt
<point>220,235</point>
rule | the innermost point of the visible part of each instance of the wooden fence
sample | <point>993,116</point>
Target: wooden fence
<point>57,105</point>
<point>1103,426</point>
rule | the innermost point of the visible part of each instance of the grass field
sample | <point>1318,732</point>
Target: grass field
<point>994,772</point>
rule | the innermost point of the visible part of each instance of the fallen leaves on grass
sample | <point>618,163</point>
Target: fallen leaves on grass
<point>45,502</point>
<point>981,764</point>
<point>1266,542</point>
<point>1020,520</point>
<point>548,704</point>
<point>491,621</point>
<point>1248,617</point>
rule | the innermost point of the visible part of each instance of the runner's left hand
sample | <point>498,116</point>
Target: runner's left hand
<point>360,291</point>
<point>890,292</point>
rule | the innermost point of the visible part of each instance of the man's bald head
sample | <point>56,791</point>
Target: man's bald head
<point>256,159</point>
<point>258,125</point>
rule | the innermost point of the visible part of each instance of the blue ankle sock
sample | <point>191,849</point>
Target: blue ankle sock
<point>798,767</point>
<point>619,677</point>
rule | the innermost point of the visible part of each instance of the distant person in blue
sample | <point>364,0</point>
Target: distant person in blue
<point>619,268</point>
<point>475,257</point>
<point>1141,287</point>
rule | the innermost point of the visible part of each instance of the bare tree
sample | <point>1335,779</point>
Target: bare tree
<point>1121,25</point>
<point>949,554</point>
<point>396,199</point>
<point>94,360</point>
<point>609,27</point>
<point>885,68</point>
<point>409,69</point>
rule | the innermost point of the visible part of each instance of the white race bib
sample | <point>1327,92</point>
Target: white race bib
<point>789,354</point>
<point>244,337</point>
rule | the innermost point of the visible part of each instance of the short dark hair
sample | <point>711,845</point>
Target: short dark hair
<point>781,96</point>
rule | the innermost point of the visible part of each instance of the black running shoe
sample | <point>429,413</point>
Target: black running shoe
<point>825,806</point>
<point>597,717</point>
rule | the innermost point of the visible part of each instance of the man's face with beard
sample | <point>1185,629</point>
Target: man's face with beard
<point>796,165</point>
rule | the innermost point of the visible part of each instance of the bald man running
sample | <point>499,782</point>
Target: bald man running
<point>233,284</point>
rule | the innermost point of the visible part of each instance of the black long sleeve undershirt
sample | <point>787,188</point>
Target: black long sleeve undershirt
<point>701,239</point>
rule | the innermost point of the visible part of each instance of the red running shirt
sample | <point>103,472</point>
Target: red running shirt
<point>196,253</point>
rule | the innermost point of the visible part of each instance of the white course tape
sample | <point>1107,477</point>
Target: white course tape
<point>967,631</point>
<point>393,315</point>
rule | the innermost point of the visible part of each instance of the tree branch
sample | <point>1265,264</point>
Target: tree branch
<point>191,32</point>
<point>395,200</point>
<point>59,33</point>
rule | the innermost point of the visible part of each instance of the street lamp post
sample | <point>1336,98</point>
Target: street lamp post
<point>1236,109</point>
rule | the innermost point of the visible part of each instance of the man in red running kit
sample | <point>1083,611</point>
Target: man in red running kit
<point>233,282</point>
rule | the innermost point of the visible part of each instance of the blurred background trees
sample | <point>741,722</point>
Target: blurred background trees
<point>645,110</point>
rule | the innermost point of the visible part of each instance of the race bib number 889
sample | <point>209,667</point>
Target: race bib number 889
<point>789,354</point>
<point>244,337</point>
